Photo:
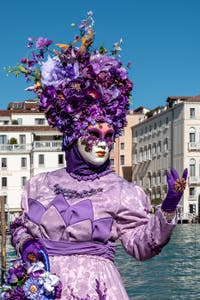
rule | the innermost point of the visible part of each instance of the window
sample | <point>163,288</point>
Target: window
<point>165,145</point>
<point>39,121</point>
<point>4,182</point>
<point>122,160</point>
<point>159,147</point>
<point>159,178</point>
<point>4,162</point>
<point>135,157</point>
<point>149,152</point>
<point>192,170</point>
<point>112,162</point>
<point>122,146</point>
<point>192,208</point>
<point>60,159</point>
<point>192,113</point>
<point>154,149</point>
<point>140,155</point>
<point>41,159</point>
<point>192,135</point>
<point>145,154</point>
<point>149,181</point>
<point>23,162</point>
<point>19,121</point>
<point>3,139</point>
<point>23,180</point>
<point>22,139</point>
<point>122,132</point>
<point>192,192</point>
<point>166,121</point>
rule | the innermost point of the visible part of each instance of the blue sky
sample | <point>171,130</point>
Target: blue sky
<point>160,38</point>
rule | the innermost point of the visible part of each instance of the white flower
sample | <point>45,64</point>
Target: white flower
<point>49,282</point>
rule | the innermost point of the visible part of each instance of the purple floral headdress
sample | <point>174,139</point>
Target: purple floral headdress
<point>78,86</point>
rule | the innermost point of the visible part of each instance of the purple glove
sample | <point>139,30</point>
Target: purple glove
<point>176,186</point>
<point>31,251</point>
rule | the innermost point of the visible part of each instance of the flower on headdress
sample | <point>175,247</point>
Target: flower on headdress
<point>43,42</point>
<point>77,86</point>
<point>51,72</point>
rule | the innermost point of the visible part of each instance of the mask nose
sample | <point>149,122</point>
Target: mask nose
<point>102,145</point>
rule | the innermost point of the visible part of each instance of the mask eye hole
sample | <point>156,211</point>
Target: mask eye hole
<point>94,133</point>
<point>109,135</point>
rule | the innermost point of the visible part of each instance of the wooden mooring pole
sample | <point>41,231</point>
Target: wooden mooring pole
<point>3,240</point>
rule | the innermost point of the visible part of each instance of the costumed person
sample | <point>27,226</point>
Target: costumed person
<point>77,213</point>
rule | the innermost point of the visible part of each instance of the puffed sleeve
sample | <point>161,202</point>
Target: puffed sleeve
<point>19,232</point>
<point>142,234</point>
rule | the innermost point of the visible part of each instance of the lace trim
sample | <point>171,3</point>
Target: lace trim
<point>90,177</point>
<point>72,194</point>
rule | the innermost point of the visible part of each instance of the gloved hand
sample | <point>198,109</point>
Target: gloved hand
<point>176,186</point>
<point>31,251</point>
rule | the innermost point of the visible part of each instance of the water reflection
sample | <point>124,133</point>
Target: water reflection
<point>173,274</point>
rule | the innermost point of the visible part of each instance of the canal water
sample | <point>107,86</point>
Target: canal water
<point>173,274</point>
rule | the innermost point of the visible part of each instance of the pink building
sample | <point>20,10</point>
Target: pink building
<point>121,155</point>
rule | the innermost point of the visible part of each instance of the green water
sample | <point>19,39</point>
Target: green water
<point>173,274</point>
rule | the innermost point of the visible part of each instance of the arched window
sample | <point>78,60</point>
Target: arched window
<point>149,152</point>
<point>145,154</point>
<point>140,155</point>
<point>159,177</point>
<point>166,144</point>
<point>149,180</point>
<point>192,167</point>
<point>192,135</point>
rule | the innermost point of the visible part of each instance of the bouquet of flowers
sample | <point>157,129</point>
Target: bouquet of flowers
<point>33,282</point>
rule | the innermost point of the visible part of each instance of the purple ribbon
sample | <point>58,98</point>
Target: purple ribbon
<point>70,248</point>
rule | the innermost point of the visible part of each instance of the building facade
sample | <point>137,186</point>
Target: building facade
<point>29,146</point>
<point>169,137</point>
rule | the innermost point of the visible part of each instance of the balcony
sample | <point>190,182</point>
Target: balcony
<point>193,146</point>
<point>47,145</point>
<point>193,198</point>
<point>36,146</point>
<point>15,148</point>
<point>194,180</point>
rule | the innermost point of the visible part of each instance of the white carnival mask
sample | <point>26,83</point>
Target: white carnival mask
<point>96,144</point>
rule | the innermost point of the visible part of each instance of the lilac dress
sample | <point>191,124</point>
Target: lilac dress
<point>79,223</point>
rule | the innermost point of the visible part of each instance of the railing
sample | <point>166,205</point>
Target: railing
<point>193,146</point>
<point>194,180</point>
<point>46,145</point>
<point>36,146</point>
<point>15,147</point>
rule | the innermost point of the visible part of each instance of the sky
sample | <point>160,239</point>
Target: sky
<point>161,39</point>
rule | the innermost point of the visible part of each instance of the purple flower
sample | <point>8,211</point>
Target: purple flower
<point>43,42</point>
<point>51,72</point>
<point>101,62</point>
<point>32,289</point>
